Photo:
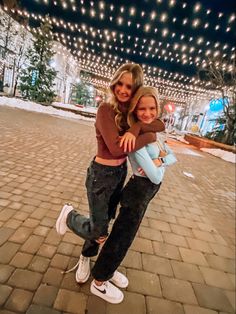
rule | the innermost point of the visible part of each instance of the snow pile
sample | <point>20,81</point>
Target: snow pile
<point>68,106</point>
<point>228,156</point>
<point>181,139</point>
<point>61,105</point>
<point>32,106</point>
<point>89,109</point>
<point>176,136</point>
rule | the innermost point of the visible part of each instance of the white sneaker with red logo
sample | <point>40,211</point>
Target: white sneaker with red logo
<point>107,291</point>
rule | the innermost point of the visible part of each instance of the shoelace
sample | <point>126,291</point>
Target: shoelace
<point>71,269</point>
<point>74,267</point>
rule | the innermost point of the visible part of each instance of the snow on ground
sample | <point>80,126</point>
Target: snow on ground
<point>228,156</point>
<point>32,106</point>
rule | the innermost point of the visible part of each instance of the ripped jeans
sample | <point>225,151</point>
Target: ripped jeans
<point>104,185</point>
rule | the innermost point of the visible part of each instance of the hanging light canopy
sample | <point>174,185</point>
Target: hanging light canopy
<point>170,39</point>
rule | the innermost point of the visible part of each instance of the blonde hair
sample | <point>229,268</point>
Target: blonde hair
<point>137,77</point>
<point>141,92</point>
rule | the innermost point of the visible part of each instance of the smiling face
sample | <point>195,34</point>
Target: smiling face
<point>146,109</point>
<point>123,88</point>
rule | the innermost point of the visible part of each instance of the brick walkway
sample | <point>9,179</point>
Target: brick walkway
<point>182,260</point>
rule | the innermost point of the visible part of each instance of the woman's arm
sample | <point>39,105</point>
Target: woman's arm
<point>154,173</point>
<point>140,127</point>
<point>128,140</point>
<point>170,158</point>
<point>105,123</point>
<point>165,158</point>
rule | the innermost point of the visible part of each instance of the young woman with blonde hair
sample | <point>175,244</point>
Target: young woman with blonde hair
<point>140,189</point>
<point>107,172</point>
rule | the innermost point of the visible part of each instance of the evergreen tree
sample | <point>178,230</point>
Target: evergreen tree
<point>8,32</point>
<point>83,94</point>
<point>37,79</point>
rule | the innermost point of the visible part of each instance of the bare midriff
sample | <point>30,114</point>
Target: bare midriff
<point>110,162</point>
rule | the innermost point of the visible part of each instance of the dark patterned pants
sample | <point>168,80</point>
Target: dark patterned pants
<point>135,198</point>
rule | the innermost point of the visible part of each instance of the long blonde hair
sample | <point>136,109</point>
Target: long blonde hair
<point>142,91</point>
<point>137,77</point>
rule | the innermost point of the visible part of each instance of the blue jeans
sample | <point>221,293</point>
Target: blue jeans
<point>135,198</point>
<point>104,185</point>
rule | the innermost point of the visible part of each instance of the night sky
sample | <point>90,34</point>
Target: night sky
<point>125,48</point>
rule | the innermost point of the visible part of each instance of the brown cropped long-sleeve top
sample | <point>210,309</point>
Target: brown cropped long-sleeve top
<point>108,135</point>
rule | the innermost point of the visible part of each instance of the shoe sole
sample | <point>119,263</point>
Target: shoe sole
<point>84,280</point>
<point>103,296</point>
<point>58,222</point>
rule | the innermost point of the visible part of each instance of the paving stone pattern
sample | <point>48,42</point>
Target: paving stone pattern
<point>182,259</point>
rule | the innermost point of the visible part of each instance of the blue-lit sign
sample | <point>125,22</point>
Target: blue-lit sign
<point>217,104</point>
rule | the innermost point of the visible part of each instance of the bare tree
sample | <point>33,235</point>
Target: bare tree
<point>24,42</point>
<point>6,36</point>
<point>14,40</point>
<point>222,77</point>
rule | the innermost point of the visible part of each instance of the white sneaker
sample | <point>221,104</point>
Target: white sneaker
<point>119,280</point>
<point>83,271</point>
<point>107,291</point>
<point>61,226</point>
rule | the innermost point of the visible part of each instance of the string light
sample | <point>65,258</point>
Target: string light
<point>163,17</point>
<point>153,15</point>
<point>196,22</point>
<point>101,5</point>
<point>132,11</point>
<point>197,7</point>
<point>232,18</point>
<point>172,3</point>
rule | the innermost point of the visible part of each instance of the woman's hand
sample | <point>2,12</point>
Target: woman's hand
<point>157,162</point>
<point>140,170</point>
<point>127,141</point>
<point>162,153</point>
